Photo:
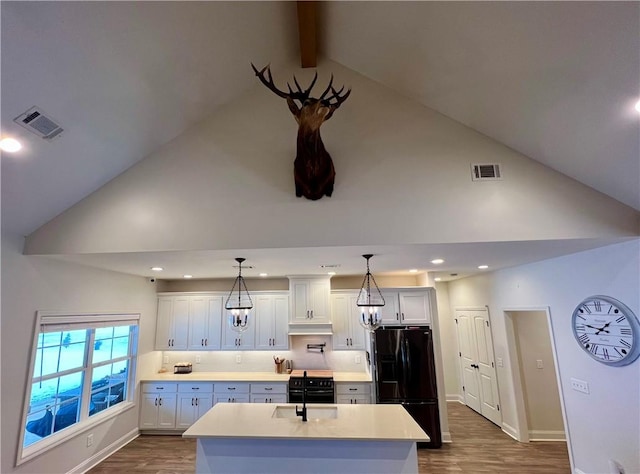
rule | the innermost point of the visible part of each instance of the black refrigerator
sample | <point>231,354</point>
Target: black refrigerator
<point>405,373</point>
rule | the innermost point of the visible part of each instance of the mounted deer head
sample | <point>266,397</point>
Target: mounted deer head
<point>313,169</point>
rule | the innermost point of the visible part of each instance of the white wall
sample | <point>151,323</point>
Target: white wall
<point>415,164</point>
<point>541,396</point>
<point>32,283</point>
<point>449,344</point>
<point>606,423</point>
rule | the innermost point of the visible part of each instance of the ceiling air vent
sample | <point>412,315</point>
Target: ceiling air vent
<point>485,172</point>
<point>36,121</point>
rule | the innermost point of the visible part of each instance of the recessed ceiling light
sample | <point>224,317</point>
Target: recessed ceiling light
<point>331,273</point>
<point>264,274</point>
<point>10,145</point>
<point>413,270</point>
<point>437,261</point>
<point>157,269</point>
<point>187,276</point>
<point>483,267</point>
<point>437,279</point>
<point>638,106</point>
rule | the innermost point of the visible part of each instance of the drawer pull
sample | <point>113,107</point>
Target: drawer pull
<point>268,388</point>
<point>231,388</point>
<point>353,389</point>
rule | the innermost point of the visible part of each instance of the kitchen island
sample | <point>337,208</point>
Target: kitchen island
<point>270,438</point>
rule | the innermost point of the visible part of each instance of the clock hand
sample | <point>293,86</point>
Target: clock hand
<point>603,328</point>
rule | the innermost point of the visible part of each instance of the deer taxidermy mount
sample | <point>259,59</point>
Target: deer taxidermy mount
<point>313,170</point>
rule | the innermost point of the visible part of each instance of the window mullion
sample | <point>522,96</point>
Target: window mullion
<point>88,375</point>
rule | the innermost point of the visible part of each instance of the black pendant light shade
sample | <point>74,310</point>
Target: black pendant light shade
<point>239,302</point>
<point>370,299</point>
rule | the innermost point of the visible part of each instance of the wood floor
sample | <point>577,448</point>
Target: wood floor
<point>478,446</point>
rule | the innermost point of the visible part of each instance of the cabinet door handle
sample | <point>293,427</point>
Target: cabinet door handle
<point>397,316</point>
<point>156,402</point>
<point>206,341</point>
<point>196,402</point>
<point>402,316</point>
<point>307,314</point>
<point>160,401</point>
<point>168,342</point>
<point>191,401</point>
<point>311,314</point>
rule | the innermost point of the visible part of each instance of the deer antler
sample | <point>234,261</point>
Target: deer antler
<point>267,80</point>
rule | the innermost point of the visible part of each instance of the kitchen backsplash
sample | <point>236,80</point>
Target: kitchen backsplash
<point>262,361</point>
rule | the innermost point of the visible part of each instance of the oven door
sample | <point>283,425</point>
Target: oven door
<point>313,396</point>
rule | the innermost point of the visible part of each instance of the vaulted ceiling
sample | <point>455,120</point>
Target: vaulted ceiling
<point>556,81</point>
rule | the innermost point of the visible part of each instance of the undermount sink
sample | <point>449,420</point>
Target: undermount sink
<point>318,413</point>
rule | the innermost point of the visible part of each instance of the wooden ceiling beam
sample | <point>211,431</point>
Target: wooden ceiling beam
<point>307,33</point>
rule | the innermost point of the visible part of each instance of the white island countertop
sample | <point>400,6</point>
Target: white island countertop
<point>386,422</point>
<point>246,377</point>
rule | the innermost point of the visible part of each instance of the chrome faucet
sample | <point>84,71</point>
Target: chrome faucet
<point>303,412</point>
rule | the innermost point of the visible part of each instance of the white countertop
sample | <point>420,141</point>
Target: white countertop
<point>386,422</point>
<point>247,377</point>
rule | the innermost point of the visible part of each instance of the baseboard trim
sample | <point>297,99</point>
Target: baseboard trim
<point>446,437</point>
<point>546,435</point>
<point>454,397</point>
<point>578,471</point>
<point>510,430</point>
<point>104,453</point>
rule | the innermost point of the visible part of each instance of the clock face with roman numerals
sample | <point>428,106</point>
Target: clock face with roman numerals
<point>607,330</point>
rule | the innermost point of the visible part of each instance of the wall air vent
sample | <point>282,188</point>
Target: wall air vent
<point>485,172</point>
<point>36,121</point>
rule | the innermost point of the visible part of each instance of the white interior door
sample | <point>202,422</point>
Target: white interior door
<point>477,363</point>
<point>467,361</point>
<point>488,384</point>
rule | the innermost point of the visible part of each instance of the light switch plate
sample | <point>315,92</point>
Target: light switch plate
<point>579,385</point>
<point>499,362</point>
<point>539,363</point>
<point>166,359</point>
<point>198,359</point>
<point>238,359</point>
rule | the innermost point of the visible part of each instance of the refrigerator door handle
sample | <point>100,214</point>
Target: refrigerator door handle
<point>407,352</point>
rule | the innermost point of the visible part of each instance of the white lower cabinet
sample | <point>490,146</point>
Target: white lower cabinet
<point>158,406</point>
<point>353,393</point>
<point>268,393</point>
<point>194,400</point>
<point>231,393</point>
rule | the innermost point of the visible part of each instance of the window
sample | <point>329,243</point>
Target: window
<point>82,371</point>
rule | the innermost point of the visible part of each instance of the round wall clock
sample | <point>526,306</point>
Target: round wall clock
<point>607,330</point>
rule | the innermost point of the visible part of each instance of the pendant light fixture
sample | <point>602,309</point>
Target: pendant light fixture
<point>239,302</point>
<point>370,299</point>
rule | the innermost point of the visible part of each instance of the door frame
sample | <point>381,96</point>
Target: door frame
<point>521,432</point>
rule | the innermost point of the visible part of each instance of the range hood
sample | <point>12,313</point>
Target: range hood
<point>304,329</point>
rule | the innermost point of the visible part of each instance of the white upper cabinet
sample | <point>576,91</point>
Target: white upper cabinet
<point>310,300</point>
<point>347,332</point>
<point>406,307</point>
<point>205,320</point>
<point>271,316</point>
<point>172,326</point>
<point>390,312</point>
<point>239,341</point>
<point>188,322</point>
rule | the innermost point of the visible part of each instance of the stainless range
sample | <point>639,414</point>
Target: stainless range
<point>320,387</point>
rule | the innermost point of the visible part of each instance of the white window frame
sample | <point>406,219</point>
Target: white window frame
<point>76,321</point>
